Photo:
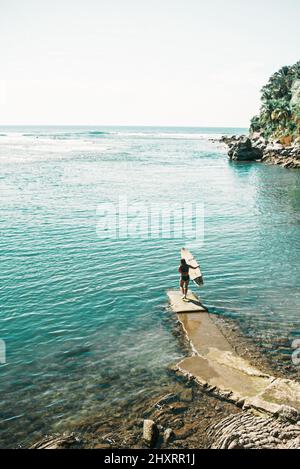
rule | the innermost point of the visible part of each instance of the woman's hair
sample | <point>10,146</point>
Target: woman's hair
<point>183,261</point>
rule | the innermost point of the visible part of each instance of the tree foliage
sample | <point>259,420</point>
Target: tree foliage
<point>279,116</point>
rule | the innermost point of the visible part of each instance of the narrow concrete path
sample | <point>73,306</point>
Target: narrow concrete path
<point>219,370</point>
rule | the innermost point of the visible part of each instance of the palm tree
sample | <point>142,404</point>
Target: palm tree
<point>280,110</point>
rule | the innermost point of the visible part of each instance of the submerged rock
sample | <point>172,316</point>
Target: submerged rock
<point>171,397</point>
<point>187,395</point>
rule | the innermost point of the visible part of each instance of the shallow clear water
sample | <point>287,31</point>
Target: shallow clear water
<point>84,318</point>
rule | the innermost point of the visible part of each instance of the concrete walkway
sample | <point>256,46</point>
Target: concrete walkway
<point>219,370</point>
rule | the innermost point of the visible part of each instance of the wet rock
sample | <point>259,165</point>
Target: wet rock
<point>259,143</point>
<point>218,408</point>
<point>245,430</point>
<point>187,395</point>
<point>150,433</point>
<point>244,151</point>
<point>102,446</point>
<point>231,140</point>
<point>186,431</point>
<point>168,434</point>
<point>256,148</point>
<point>61,442</point>
<point>157,415</point>
<point>288,414</point>
<point>178,423</point>
<point>165,400</point>
<point>178,408</point>
<point>235,445</point>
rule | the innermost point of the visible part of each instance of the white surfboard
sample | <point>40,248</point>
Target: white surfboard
<point>195,274</point>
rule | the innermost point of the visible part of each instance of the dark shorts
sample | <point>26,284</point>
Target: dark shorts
<point>185,278</point>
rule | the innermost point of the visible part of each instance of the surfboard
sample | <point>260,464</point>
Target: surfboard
<point>195,274</point>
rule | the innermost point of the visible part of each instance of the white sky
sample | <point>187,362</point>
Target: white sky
<point>141,62</point>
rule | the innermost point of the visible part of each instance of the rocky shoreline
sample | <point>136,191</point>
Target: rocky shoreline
<point>255,148</point>
<point>179,416</point>
<point>183,416</point>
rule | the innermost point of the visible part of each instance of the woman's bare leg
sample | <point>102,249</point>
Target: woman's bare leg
<point>186,288</point>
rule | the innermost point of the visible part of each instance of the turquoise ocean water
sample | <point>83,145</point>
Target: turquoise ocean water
<point>83,318</point>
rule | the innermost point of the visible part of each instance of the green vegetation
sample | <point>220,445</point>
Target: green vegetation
<point>279,117</point>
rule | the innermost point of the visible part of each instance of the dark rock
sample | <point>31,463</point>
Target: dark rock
<point>256,148</point>
<point>178,423</point>
<point>178,408</point>
<point>244,151</point>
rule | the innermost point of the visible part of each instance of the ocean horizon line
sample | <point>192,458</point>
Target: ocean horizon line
<point>151,126</point>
